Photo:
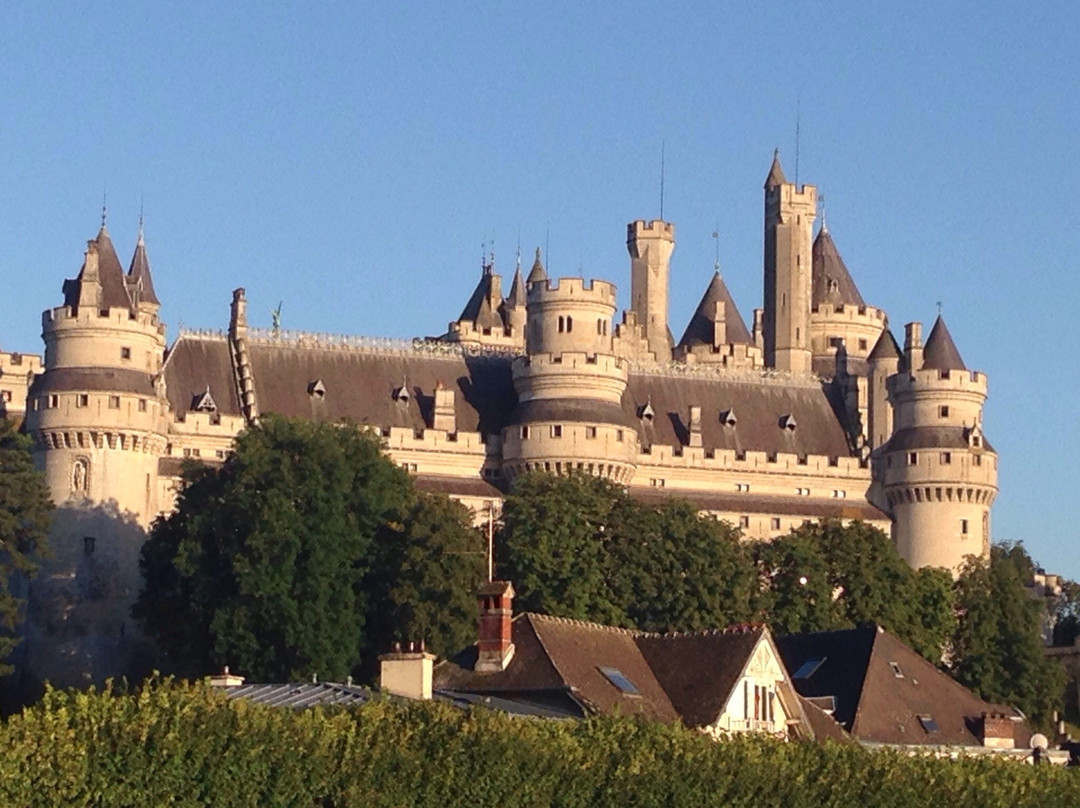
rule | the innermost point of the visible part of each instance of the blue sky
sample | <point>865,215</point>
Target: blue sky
<point>351,161</point>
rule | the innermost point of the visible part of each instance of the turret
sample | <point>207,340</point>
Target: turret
<point>884,361</point>
<point>716,333</point>
<point>789,227</point>
<point>939,472</point>
<point>487,318</point>
<point>650,245</point>
<point>514,307</point>
<point>570,385</point>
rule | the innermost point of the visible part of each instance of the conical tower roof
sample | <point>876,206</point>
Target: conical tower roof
<point>885,348</point>
<point>776,173</point>
<point>940,352</point>
<point>481,309</point>
<point>537,272</point>
<point>831,282</point>
<point>140,273</point>
<point>110,276</point>
<point>700,330</point>
<point>516,298</point>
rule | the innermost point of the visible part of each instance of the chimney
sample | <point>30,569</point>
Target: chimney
<point>694,425</point>
<point>759,329</point>
<point>913,346</point>
<point>238,321</point>
<point>996,731</point>
<point>226,679</point>
<point>719,324</point>
<point>407,673</point>
<point>493,645</point>
<point>90,278</point>
<point>444,417</point>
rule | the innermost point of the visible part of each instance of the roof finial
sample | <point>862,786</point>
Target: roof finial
<point>824,222</point>
<point>939,308</point>
<point>716,238</point>
<point>519,250</point>
<point>104,208</point>
<point>141,243</point>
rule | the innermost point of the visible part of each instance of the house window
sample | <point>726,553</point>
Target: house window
<point>776,523</point>
<point>556,430</point>
<point>928,723</point>
<point>943,411</point>
<point>913,458</point>
<point>809,668</point>
<point>590,432</point>
<point>125,353</point>
<point>946,458</point>
<point>82,400</point>
<point>114,402</point>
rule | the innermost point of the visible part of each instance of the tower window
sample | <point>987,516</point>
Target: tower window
<point>82,400</point>
<point>142,405</point>
<point>524,433</point>
<point>744,521</point>
<point>943,411</point>
<point>89,543</point>
<point>590,432</point>
<point>569,324</point>
<point>976,460</point>
<point>836,342</point>
<point>863,345</point>
<point>946,458</point>
<point>776,523</point>
<point>562,325</point>
<point>556,430</point>
<point>964,527</point>
<point>125,353</point>
<point>913,458</point>
<point>54,401</point>
<point>619,436</point>
<point>114,402</point>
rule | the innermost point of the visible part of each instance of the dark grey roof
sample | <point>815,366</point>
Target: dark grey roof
<point>482,307</point>
<point>116,380</point>
<point>734,502</point>
<point>572,410</point>
<point>776,173</point>
<point>140,273</point>
<point>537,272</point>
<point>111,276</point>
<point>832,283</point>
<point>931,437</point>
<point>301,695</point>
<point>195,364</point>
<point>455,486</point>
<point>517,296</point>
<point>940,352</point>
<point>700,330</point>
<point>886,347</point>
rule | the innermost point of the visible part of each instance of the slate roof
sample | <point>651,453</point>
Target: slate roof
<point>940,352</point>
<point>879,703</point>
<point>831,282</point>
<point>537,273</point>
<point>684,678</point>
<point>140,273</point>
<point>776,173</point>
<point>517,296</point>
<point>194,364</point>
<point>118,380</point>
<point>482,308</point>
<point>113,289</point>
<point>886,347</point>
<point>700,330</point>
<point>932,437</point>
<point>733,502</point>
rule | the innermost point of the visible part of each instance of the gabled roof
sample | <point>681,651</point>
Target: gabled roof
<point>110,275</point>
<point>831,281</point>
<point>140,273</point>
<point>940,352</point>
<point>882,687</point>
<point>886,347</point>
<point>776,173</point>
<point>677,677</point>
<point>700,330</point>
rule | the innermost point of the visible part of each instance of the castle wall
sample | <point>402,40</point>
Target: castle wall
<point>17,371</point>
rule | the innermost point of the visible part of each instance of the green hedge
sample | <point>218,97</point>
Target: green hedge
<point>185,745</point>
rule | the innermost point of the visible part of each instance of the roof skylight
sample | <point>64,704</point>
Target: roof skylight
<point>620,680</point>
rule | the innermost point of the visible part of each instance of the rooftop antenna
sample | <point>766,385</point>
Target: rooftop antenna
<point>661,180</point>
<point>798,121</point>
<point>716,238</point>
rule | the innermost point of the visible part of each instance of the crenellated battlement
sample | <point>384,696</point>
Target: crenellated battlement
<point>938,382</point>
<point>849,313</point>
<point>572,289</point>
<point>650,229</point>
<point>571,362</point>
<point>121,318</point>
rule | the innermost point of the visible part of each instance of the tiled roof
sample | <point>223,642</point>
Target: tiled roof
<point>700,330</point>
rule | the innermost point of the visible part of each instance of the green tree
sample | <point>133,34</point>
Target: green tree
<point>25,516</point>
<point>426,577</point>
<point>264,565</point>
<point>555,542</point>
<point>998,648</point>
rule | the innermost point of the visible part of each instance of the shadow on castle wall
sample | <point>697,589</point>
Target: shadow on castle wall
<point>78,629</point>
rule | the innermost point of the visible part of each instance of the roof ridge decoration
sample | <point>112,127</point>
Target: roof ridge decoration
<point>573,621</point>
<point>731,630</point>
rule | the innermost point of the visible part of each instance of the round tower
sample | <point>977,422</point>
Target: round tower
<point>940,474</point>
<point>98,413</point>
<point>570,386</point>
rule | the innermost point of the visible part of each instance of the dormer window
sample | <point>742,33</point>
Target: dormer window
<point>401,394</point>
<point>727,418</point>
<point>647,413</point>
<point>204,402</point>
<point>317,389</point>
<point>788,422</point>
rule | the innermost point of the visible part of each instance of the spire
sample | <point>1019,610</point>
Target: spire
<point>701,329</point>
<point>885,348</point>
<point>940,352</point>
<point>483,304</point>
<point>831,282</point>
<point>108,273</point>
<point>517,296</point>
<point>537,272</point>
<point>776,173</point>
<point>138,277</point>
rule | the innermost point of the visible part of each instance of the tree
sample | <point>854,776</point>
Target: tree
<point>25,516</point>
<point>264,564</point>
<point>831,575</point>
<point>426,577</point>
<point>998,649</point>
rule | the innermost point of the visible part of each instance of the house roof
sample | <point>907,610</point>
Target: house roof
<point>686,678</point>
<point>831,282</point>
<point>883,689</point>
<point>302,695</point>
<point>701,328</point>
<point>940,352</point>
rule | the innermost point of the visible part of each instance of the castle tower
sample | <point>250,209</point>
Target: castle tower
<point>884,361</point>
<point>789,228</point>
<point>716,333</point>
<point>939,474</point>
<point>650,245</point>
<point>570,385</point>
<point>514,308</point>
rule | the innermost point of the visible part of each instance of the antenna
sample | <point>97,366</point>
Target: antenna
<point>661,180</point>
<point>798,121</point>
<point>142,200</point>
<point>716,238</point>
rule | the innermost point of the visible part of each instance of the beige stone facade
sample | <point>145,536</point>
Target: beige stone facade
<point>814,412</point>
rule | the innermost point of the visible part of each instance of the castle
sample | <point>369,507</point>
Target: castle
<point>814,411</point>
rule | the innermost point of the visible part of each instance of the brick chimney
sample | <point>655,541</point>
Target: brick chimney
<point>996,731</point>
<point>407,673</point>
<point>494,646</point>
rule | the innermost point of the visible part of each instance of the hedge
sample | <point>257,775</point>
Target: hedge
<point>182,744</point>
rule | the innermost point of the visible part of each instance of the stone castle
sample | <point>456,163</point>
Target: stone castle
<point>814,411</point>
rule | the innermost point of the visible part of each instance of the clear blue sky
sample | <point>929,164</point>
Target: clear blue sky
<point>351,161</point>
